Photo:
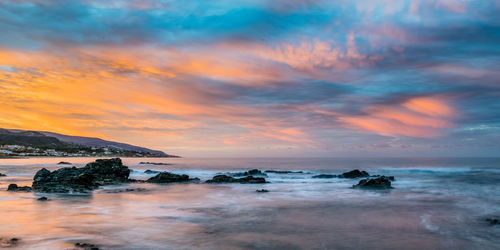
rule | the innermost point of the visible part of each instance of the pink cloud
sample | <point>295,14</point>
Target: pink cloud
<point>425,117</point>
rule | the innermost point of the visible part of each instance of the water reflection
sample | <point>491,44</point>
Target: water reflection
<point>426,210</point>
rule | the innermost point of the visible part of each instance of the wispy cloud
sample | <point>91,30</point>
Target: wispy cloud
<point>272,77</point>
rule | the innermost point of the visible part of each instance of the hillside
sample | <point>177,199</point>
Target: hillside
<point>87,146</point>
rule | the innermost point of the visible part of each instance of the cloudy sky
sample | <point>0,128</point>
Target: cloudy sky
<point>257,78</point>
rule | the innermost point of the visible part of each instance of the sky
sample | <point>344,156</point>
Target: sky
<point>255,78</point>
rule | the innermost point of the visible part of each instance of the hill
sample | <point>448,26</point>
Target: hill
<point>65,143</point>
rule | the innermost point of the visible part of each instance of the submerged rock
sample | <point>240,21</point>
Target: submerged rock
<point>149,171</point>
<point>115,191</point>
<point>229,179</point>
<point>493,221</point>
<point>154,163</point>
<point>8,242</point>
<point>381,182</point>
<point>72,179</point>
<point>284,172</point>
<point>354,174</point>
<point>324,176</point>
<point>16,188</point>
<point>261,190</point>
<point>64,163</point>
<point>166,177</point>
<point>391,178</point>
<point>43,198</point>
<point>221,179</point>
<point>252,172</point>
<point>86,246</point>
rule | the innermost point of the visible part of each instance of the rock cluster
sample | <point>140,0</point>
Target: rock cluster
<point>253,172</point>
<point>354,174</point>
<point>16,188</point>
<point>229,179</point>
<point>381,182</point>
<point>166,177</point>
<point>72,179</point>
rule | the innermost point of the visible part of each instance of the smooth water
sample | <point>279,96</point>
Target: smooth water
<point>435,204</point>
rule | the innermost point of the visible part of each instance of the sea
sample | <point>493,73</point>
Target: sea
<point>435,203</point>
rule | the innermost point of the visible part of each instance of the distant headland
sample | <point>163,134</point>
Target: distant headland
<point>24,143</point>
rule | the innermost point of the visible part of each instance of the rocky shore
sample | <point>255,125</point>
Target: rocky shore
<point>112,171</point>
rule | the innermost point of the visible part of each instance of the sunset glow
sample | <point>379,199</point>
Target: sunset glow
<point>272,78</point>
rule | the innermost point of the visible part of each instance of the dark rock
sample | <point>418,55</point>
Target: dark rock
<point>251,180</point>
<point>8,242</point>
<point>166,177</point>
<point>114,191</point>
<point>64,163</point>
<point>86,246</point>
<point>261,190</point>
<point>2,175</point>
<point>324,176</point>
<point>15,188</point>
<point>354,174</point>
<point>284,172</point>
<point>154,163</point>
<point>229,179</point>
<point>43,198</point>
<point>493,221</point>
<point>149,171</point>
<point>253,172</point>
<point>72,179</point>
<point>391,178</point>
<point>221,179</point>
<point>381,182</point>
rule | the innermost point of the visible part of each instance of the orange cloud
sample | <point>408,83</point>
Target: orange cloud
<point>417,117</point>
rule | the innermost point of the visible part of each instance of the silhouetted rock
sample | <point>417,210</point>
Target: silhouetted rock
<point>324,176</point>
<point>251,180</point>
<point>12,242</point>
<point>221,179</point>
<point>354,174</point>
<point>86,246</point>
<point>64,163</point>
<point>149,171</point>
<point>43,198</point>
<point>2,175</point>
<point>381,182</point>
<point>229,179</point>
<point>15,188</point>
<point>72,179</point>
<point>253,172</point>
<point>154,163</point>
<point>284,172</point>
<point>114,191</point>
<point>261,190</point>
<point>166,177</point>
<point>493,221</point>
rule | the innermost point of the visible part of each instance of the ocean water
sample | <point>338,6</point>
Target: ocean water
<point>435,204</point>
